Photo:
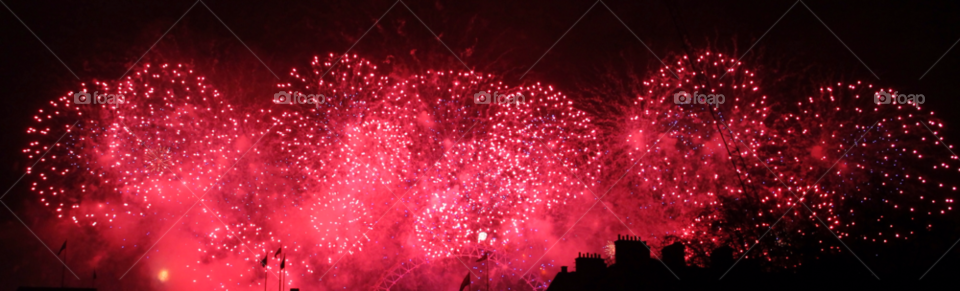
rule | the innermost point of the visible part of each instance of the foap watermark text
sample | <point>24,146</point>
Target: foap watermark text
<point>683,97</point>
<point>883,97</point>
<point>96,98</point>
<point>284,97</point>
<point>483,97</point>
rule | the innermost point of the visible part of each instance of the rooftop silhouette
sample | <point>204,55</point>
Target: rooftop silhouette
<point>634,268</point>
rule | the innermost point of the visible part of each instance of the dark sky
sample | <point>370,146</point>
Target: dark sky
<point>897,41</point>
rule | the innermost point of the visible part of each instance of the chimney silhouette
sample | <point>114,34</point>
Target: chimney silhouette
<point>674,256</point>
<point>590,265</point>
<point>631,251</point>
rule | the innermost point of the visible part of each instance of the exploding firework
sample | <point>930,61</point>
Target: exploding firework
<point>722,174</point>
<point>388,169</point>
<point>418,152</point>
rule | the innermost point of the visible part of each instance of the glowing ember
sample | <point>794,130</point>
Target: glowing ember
<point>390,168</point>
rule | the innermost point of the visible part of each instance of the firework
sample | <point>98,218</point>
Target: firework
<point>391,168</point>
<point>722,175</point>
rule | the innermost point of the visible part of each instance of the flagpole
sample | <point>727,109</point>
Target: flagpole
<point>64,268</point>
<point>263,263</point>
<point>283,263</point>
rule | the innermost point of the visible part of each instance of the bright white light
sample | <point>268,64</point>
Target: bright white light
<point>482,236</point>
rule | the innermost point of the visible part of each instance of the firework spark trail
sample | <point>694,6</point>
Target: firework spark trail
<point>330,172</point>
<point>599,200</point>
<point>157,160</point>
<point>792,135</point>
<point>115,148</point>
<point>799,201</point>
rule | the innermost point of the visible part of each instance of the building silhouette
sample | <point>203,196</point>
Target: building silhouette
<point>635,269</point>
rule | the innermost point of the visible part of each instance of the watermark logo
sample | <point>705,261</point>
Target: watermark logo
<point>683,97</point>
<point>96,98</point>
<point>284,97</point>
<point>883,97</point>
<point>483,97</point>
